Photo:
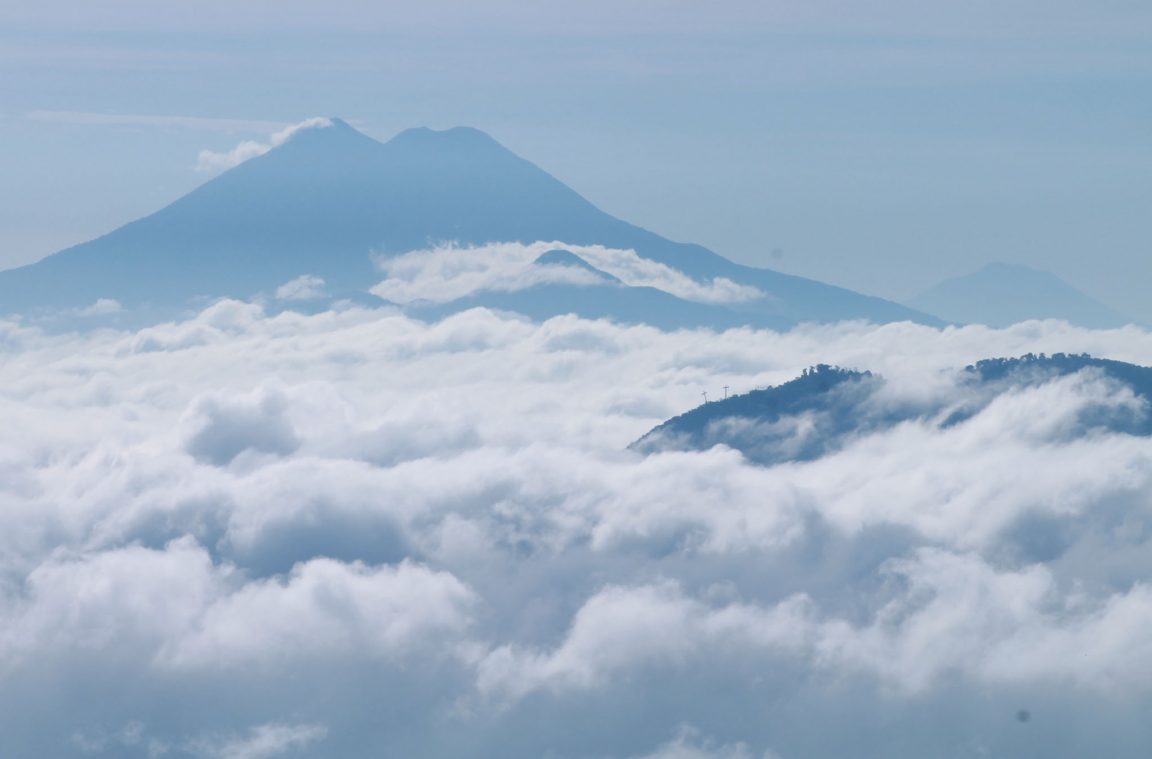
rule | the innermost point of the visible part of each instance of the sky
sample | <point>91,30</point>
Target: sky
<point>881,148</point>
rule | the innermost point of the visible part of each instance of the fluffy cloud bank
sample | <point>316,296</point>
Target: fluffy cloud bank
<point>446,273</point>
<point>246,535</point>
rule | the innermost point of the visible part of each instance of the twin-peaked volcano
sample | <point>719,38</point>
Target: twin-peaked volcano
<point>330,199</point>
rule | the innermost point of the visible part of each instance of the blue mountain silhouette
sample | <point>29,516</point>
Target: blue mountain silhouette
<point>1001,294</point>
<point>327,200</point>
<point>559,257</point>
<point>827,406</point>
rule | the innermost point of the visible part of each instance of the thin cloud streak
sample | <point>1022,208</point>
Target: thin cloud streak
<point>94,118</point>
<point>210,161</point>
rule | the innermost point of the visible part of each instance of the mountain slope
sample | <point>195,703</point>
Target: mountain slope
<point>1002,294</point>
<point>330,197</point>
<point>827,407</point>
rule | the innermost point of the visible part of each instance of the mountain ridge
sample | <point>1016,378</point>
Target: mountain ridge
<point>827,406</point>
<point>328,198</point>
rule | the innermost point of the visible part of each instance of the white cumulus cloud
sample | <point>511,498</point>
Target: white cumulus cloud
<point>429,538</point>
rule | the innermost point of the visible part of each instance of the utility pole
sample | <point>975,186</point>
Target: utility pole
<point>705,394</point>
<point>725,392</point>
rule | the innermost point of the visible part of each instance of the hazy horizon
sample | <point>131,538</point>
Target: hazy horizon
<point>883,152</point>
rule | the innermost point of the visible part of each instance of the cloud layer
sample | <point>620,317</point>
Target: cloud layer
<point>448,272</point>
<point>246,535</point>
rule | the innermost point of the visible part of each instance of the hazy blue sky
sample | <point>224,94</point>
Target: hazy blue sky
<point>881,148</point>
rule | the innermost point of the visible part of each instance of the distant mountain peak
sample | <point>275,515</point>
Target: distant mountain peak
<point>323,133</point>
<point>456,141</point>
<point>1006,266</point>
<point>561,257</point>
<point>456,134</point>
<point>999,294</point>
<point>330,126</point>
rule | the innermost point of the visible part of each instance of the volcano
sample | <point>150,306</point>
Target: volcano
<point>330,201</point>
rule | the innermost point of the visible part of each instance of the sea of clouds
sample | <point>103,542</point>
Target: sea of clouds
<point>353,533</point>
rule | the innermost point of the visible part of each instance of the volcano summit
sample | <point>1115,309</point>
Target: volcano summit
<point>331,203</point>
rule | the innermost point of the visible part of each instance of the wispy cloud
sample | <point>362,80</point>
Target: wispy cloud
<point>211,161</point>
<point>264,742</point>
<point>448,272</point>
<point>96,118</point>
<point>690,744</point>
<point>102,307</point>
<point>306,287</point>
